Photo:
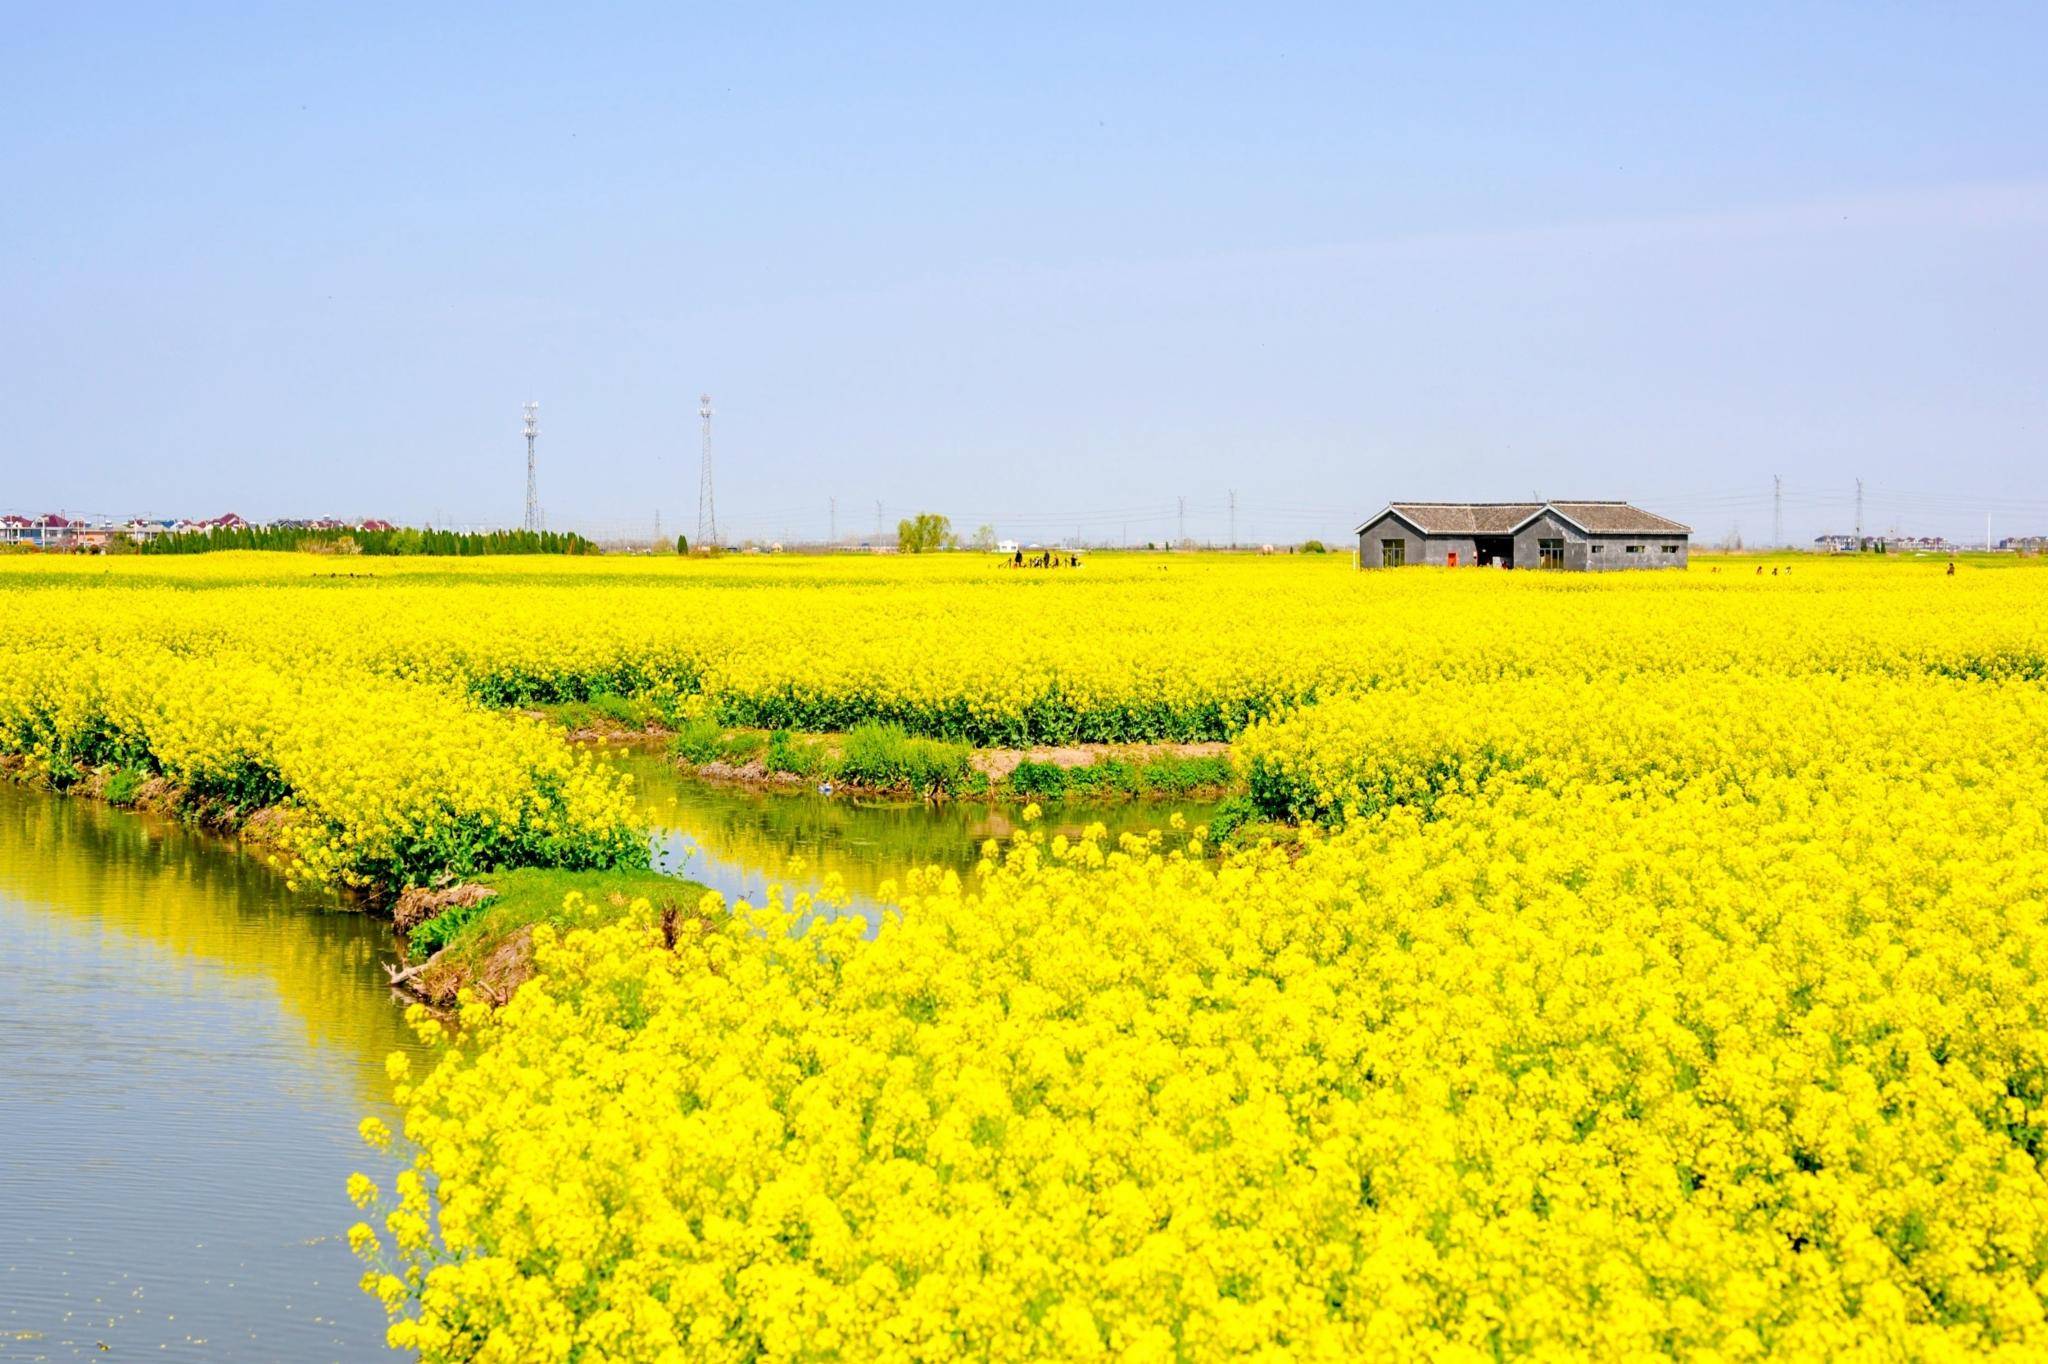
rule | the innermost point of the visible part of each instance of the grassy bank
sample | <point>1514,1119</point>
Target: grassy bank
<point>475,933</point>
<point>609,715</point>
<point>478,935</point>
<point>887,759</point>
<point>250,812</point>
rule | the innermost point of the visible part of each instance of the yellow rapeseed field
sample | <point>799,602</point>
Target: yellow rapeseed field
<point>1659,971</point>
<point>1125,648</point>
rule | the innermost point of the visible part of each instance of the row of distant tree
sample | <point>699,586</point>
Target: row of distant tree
<point>403,540</point>
<point>927,531</point>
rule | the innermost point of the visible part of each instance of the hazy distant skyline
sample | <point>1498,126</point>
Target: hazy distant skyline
<point>1046,269</point>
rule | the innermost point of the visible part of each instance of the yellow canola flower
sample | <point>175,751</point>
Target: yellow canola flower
<point>1740,1054</point>
<point>1657,969</point>
<point>379,781</point>
<point>1180,648</point>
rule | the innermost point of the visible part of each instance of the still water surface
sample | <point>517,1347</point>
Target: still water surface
<point>185,1050</point>
<point>186,1047</point>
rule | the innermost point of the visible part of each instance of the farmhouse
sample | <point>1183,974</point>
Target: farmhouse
<point>1580,536</point>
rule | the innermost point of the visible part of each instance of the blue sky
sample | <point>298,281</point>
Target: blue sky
<point>1051,269</point>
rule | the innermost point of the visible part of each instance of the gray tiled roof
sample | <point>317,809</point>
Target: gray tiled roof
<point>1466,518</point>
<point>1501,518</point>
<point>1617,518</point>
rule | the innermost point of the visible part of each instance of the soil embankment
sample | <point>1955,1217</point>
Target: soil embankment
<point>1001,762</point>
<point>475,935</point>
<point>260,825</point>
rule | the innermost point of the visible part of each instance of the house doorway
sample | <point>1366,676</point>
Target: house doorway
<point>1453,561</point>
<point>1489,550</point>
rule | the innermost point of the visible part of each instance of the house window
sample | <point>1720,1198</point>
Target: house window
<point>1670,549</point>
<point>1597,547</point>
<point>1393,553</point>
<point>1635,549</point>
<point>1550,553</point>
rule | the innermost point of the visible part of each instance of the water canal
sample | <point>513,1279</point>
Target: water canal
<point>187,1046</point>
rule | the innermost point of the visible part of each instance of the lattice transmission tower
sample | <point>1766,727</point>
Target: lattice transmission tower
<point>531,413</point>
<point>707,512</point>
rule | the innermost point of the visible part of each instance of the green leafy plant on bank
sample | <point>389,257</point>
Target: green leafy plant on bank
<point>887,757</point>
<point>1165,774</point>
<point>527,896</point>
<point>125,785</point>
<point>609,711</point>
<point>797,757</point>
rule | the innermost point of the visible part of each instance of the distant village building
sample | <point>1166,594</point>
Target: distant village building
<point>54,532</point>
<point>1886,544</point>
<point>1574,536</point>
<point>48,531</point>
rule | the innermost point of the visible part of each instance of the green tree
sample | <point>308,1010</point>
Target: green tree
<point>682,544</point>
<point>922,532</point>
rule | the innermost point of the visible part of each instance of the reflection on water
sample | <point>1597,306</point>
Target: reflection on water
<point>737,841</point>
<point>186,1048</point>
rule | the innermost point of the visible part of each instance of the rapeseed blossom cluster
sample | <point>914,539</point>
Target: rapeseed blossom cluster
<point>380,782</point>
<point>1122,649</point>
<point>1675,1012</point>
<point>1700,732</point>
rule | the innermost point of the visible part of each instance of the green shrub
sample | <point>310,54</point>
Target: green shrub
<point>605,710</point>
<point>619,709</point>
<point>789,754</point>
<point>1237,823</point>
<point>437,932</point>
<point>124,785</point>
<point>873,754</point>
<point>1105,777</point>
<point>1038,781</point>
<point>934,765</point>
<point>1231,815</point>
<point>699,741</point>
<point>1175,776</point>
<point>885,755</point>
<point>1112,776</point>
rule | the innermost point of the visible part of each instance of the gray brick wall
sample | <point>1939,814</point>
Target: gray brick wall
<point>1579,555</point>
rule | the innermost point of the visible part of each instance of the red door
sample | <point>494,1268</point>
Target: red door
<point>1454,559</point>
